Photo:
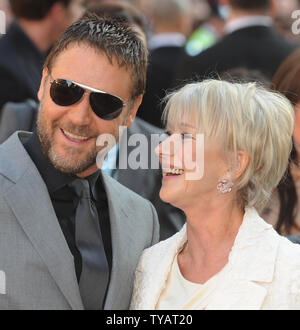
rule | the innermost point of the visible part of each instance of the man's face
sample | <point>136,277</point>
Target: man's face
<point>68,133</point>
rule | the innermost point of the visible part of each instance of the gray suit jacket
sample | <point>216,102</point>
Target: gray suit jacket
<point>36,266</point>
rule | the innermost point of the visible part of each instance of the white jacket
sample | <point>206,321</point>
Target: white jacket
<point>263,270</point>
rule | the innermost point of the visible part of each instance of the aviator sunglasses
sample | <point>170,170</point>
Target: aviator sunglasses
<point>66,92</point>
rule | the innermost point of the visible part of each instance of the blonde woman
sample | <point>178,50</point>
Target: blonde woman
<point>226,256</point>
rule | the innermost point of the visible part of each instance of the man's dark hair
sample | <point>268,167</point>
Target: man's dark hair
<point>250,4</point>
<point>121,44</point>
<point>34,9</point>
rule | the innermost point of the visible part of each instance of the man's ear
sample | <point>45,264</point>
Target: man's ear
<point>43,84</point>
<point>133,110</point>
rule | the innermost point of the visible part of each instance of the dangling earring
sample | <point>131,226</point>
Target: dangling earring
<point>225,186</point>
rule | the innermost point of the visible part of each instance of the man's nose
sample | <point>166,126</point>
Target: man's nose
<point>81,113</point>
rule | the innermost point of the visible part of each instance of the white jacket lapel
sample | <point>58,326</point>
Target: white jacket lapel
<point>237,294</point>
<point>250,266</point>
<point>157,261</point>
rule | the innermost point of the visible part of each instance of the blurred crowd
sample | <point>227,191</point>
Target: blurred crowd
<point>187,40</point>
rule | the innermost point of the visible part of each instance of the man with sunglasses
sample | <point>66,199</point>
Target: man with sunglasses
<point>71,236</point>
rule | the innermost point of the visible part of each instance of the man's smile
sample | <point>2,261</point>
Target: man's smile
<point>74,137</point>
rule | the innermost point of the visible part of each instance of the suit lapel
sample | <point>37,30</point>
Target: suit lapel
<point>160,259</point>
<point>30,202</point>
<point>40,224</point>
<point>121,233</point>
<point>251,266</point>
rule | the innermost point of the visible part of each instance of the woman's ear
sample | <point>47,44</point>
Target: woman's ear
<point>241,164</point>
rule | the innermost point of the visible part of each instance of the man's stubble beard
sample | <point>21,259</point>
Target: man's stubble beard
<point>75,163</point>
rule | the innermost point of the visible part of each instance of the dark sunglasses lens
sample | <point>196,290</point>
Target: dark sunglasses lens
<point>65,93</point>
<point>106,106</point>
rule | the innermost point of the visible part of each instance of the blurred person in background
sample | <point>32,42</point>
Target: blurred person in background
<point>243,75</point>
<point>208,27</point>
<point>5,8</point>
<point>143,5</point>
<point>283,20</point>
<point>29,38</point>
<point>283,210</point>
<point>250,41</point>
<point>171,24</point>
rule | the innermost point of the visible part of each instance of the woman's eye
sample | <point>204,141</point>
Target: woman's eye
<point>183,136</point>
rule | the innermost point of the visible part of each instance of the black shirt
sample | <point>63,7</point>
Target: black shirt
<point>65,201</point>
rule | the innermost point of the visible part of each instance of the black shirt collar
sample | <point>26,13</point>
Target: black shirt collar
<point>53,178</point>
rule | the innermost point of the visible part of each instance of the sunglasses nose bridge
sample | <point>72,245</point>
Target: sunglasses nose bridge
<point>85,90</point>
<point>80,112</point>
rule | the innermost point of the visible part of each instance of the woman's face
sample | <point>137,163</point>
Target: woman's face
<point>296,134</point>
<point>192,166</point>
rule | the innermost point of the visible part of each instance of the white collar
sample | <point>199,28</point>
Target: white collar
<point>247,21</point>
<point>166,39</point>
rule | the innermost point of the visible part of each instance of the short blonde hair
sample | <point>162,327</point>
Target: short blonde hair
<point>242,117</point>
